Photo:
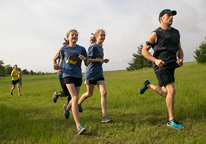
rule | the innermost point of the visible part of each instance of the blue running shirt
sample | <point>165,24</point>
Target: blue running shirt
<point>71,61</point>
<point>94,70</point>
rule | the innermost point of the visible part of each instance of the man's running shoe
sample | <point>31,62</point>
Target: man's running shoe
<point>174,124</point>
<point>80,108</point>
<point>80,129</point>
<point>19,95</point>
<point>106,119</point>
<point>55,97</point>
<point>144,88</point>
<point>11,93</point>
<point>66,112</point>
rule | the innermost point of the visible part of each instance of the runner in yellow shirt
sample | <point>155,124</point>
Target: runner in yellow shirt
<point>15,80</point>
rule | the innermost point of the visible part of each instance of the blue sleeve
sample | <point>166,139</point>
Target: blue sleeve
<point>62,53</point>
<point>91,51</point>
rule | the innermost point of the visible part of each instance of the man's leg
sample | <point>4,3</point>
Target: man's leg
<point>170,100</point>
<point>160,90</point>
<point>170,107</point>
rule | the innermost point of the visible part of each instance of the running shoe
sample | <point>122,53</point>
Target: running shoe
<point>80,129</point>
<point>11,93</point>
<point>80,108</point>
<point>66,112</point>
<point>106,119</point>
<point>70,110</point>
<point>55,97</point>
<point>144,87</point>
<point>174,124</point>
<point>19,95</point>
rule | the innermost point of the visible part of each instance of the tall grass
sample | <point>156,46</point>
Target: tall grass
<point>34,118</point>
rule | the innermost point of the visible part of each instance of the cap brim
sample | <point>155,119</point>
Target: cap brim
<point>174,12</point>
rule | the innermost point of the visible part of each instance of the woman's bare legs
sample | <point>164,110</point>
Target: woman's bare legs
<point>89,93</point>
<point>74,91</point>
<point>102,88</point>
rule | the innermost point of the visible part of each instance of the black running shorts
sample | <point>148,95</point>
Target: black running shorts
<point>165,77</point>
<point>14,82</point>
<point>76,81</point>
<point>93,82</point>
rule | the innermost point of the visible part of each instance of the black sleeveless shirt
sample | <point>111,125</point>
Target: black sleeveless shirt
<point>166,48</point>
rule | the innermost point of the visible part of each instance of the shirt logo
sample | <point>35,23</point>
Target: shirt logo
<point>71,58</point>
<point>100,55</point>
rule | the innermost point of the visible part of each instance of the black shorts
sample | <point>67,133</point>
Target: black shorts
<point>93,82</point>
<point>165,77</point>
<point>76,81</point>
<point>14,82</point>
<point>64,88</point>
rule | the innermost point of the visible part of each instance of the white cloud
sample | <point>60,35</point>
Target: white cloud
<point>32,31</point>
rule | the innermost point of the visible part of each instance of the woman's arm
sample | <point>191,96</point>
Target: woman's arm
<point>57,55</point>
<point>98,60</point>
<point>13,74</point>
<point>55,65</point>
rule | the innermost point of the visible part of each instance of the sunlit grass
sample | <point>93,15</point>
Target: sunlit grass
<point>34,118</point>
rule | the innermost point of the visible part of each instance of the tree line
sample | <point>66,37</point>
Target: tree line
<point>139,61</point>
<point>7,69</point>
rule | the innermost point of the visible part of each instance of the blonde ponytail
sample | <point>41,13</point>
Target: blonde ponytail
<point>93,37</point>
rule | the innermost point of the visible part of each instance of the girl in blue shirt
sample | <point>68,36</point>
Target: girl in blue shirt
<point>71,58</point>
<point>94,72</point>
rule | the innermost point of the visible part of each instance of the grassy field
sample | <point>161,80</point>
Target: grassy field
<point>34,118</point>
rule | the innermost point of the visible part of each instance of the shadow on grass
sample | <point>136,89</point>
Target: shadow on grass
<point>34,124</point>
<point>157,117</point>
<point>31,124</point>
<point>196,112</point>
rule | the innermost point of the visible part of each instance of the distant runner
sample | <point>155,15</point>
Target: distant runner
<point>20,78</point>
<point>15,80</point>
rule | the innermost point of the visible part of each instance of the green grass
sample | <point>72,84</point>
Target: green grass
<point>34,118</point>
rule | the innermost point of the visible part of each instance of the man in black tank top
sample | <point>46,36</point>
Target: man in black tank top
<point>165,42</point>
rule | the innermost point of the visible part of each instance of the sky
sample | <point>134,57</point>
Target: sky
<point>31,31</point>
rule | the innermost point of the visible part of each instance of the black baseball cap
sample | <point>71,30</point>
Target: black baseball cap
<point>167,11</point>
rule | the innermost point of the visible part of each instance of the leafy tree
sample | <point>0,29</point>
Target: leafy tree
<point>31,72</point>
<point>2,68</point>
<point>1,63</point>
<point>200,54</point>
<point>25,71</point>
<point>39,73</point>
<point>8,69</point>
<point>138,61</point>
